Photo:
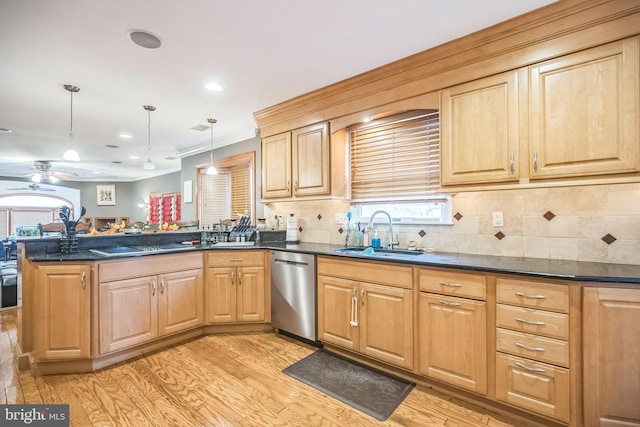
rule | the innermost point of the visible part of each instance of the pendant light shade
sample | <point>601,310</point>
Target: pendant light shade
<point>148,165</point>
<point>71,154</point>
<point>211,170</point>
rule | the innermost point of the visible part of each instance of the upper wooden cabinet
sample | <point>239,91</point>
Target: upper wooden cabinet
<point>584,112</point>
<point>570,117</point>
<point>479,131</point>
<point>297,163</point>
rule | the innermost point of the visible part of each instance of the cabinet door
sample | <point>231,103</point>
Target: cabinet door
<point>338,312</point>
<point>250,294</point>
<point>611,357</point>
<point>386,324</point>
<point>62,308</point>
<point>180,301</point>
<point>128,313</point>
<point>584,112</point>
<point>453,341</point>
<point>479,131</point>
<point>221,295</point>
<point>311,160</point>
<point>276,166</point>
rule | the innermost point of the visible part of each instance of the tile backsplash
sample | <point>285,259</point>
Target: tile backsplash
<point>598,223</point>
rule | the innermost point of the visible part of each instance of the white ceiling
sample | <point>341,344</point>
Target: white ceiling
<point>261,51</point>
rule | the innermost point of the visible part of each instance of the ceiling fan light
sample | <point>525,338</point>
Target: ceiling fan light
<point>148,165</point>
<point>53,179</point>
<point>211,170</point>
<point>36,177</point>
<point>71,155</point>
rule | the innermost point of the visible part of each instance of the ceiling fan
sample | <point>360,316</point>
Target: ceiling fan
<point>44,172</point>
<point>34,187</point>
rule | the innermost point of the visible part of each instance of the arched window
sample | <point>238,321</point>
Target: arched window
<point>20,214</point>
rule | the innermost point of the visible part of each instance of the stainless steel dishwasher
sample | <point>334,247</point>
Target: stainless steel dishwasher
<point>293,294</point>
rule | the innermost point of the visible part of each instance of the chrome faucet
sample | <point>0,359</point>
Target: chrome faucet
<point>392,243</point>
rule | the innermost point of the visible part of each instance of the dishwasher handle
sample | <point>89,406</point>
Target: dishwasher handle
<point>295,263</point>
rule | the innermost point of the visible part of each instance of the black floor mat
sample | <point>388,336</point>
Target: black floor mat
<point>373,392</point>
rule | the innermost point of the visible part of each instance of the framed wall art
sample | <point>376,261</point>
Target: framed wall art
<point>106,195</point>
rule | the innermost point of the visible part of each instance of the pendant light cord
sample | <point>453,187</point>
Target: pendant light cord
<point>71,121</point>
<point>149,135</point>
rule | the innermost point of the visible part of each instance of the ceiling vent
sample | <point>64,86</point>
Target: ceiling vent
<point>200,128</point>
<point>144,39</point>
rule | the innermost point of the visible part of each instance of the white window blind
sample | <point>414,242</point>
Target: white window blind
<point>240,191</point>
<point>215,198</point>
<point>397,159</point>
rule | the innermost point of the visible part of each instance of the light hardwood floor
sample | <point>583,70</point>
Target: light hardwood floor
<point>217,380</point>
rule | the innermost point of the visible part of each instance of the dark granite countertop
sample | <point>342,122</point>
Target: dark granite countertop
<point>558,269</point>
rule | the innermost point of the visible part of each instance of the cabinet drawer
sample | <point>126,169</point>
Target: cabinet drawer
<point>453,283</point>
<point>533,346</point>
<point>528,320</point>
<point>532,294</point>
<point>367,271</point>
<point>533,386</point>
<point>235,258</point>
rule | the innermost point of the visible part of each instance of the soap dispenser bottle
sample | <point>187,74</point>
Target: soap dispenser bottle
<point>375,242</point>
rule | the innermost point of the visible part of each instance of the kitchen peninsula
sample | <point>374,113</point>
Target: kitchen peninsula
<point>84,311</point>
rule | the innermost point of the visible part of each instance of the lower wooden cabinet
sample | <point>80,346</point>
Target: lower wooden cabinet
<point>453,340</point>
<point>61,309</point>
<point>611,366</point>
<point>533,386</point>
<point>372,319</point>
<point>236,287</point>
<point>134,309</point>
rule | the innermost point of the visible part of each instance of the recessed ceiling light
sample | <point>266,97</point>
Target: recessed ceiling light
<point>215,87</point>
<point>116,162</point>
<point>134,157</point>
<point>3,130</point>
<point>144,39</point>
<point>125,135</point>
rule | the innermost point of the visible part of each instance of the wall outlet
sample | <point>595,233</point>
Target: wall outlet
<point>341,218</point>
<point>498,219</point>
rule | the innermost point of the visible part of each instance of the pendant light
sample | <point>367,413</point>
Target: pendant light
<point>71,154</point>
<point>211,170</point>
<point>148,165</point>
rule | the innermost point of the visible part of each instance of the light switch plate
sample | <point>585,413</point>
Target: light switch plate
<point>341,218</point>
<point>498,219</point>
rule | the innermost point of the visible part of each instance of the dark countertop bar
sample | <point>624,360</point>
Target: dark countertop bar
<point>39,251</point>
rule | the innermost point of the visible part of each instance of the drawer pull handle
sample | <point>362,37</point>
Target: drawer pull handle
<point>523,366</point>
<point>453,304</point>
<point>530,322</point>
<point>523,295</point>
<point>451,285</point>
<point>529,348</point>
<point>236,260</point>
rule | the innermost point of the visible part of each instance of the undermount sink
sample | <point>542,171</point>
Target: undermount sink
<point>377,252</point>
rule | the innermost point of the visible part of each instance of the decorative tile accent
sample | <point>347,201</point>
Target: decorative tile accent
<point>549,216</point>
<point>422,233</point>
<point>300,229</point>
<point>609,239</point>
<point>319,217</point>
<point>500,235</point>
<point>458,216</point>
<point>340,230</point>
